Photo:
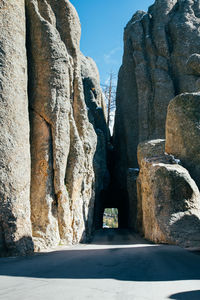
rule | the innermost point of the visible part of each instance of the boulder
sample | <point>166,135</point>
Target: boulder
<point>183,132</point>
<point>168,201</point>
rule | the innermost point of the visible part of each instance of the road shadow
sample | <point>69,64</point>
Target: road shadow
<point>131,263</point>
<point>193,295</point>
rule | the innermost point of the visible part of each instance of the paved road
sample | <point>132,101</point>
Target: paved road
<point>117,265</point>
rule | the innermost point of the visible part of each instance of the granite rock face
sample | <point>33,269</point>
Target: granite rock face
<point>168,199</point>
<point>68,126</point>
<point>183,132</point>
<point>161,60</point>
<point>15,224</point>
<point>56,188</point>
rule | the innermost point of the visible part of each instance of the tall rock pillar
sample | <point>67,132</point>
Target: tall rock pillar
<point>15,225</point>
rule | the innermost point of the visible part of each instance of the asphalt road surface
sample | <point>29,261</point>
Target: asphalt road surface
<point>117,265</point>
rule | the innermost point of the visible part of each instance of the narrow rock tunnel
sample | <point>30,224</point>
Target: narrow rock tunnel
<point>112,196</point>
<point>71,149</point>
<point>60,169</point>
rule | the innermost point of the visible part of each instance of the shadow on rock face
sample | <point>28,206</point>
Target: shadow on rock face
<point>194,295</point>
<point>22,247</point>
<point>187,231</point>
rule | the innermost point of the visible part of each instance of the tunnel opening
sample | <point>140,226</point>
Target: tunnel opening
<point>110,218</point>
<point>115,198</point>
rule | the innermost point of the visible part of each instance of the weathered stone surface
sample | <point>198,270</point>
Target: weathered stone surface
<point>158,64</point>
<point>68,128</point>
<point>183,132</point>
<point>146,150</point>
<point>15,225</point>
<point>45,223</point>
<point>168,201</point>
<point>49,98</point>
<point>193,64</point>
<point>49,197</point>
<point>150,148</point>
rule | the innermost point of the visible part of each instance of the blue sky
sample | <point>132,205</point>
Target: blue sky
<point>103,23</point>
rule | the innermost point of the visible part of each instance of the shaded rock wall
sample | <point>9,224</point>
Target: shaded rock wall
<point>96,114</point>
<point>160,61</point>
<point>68,133</point>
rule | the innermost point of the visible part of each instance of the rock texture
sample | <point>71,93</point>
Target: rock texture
<point>158,64</point>
<point>55,189</point>
<point>15,225</point>
<point>54,178</point>
<point>68,127</point>
<point>169,199</point>
<point>183,132</point>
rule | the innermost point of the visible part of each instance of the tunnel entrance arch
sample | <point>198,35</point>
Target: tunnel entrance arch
<point>111,199</point>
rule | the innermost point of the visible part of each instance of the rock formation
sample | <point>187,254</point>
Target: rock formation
<point>15,224</point>
<point>183,132</point>
<point>168,198</point>
<point>54,139</point>
<point>158,64</point>
<point>68,133</point>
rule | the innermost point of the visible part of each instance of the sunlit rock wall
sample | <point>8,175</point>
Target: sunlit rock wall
<point>51,176</point>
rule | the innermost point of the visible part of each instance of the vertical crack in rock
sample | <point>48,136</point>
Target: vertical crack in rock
<point>43,198</point>
<point>74,178</point>
<point>96,115</point>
